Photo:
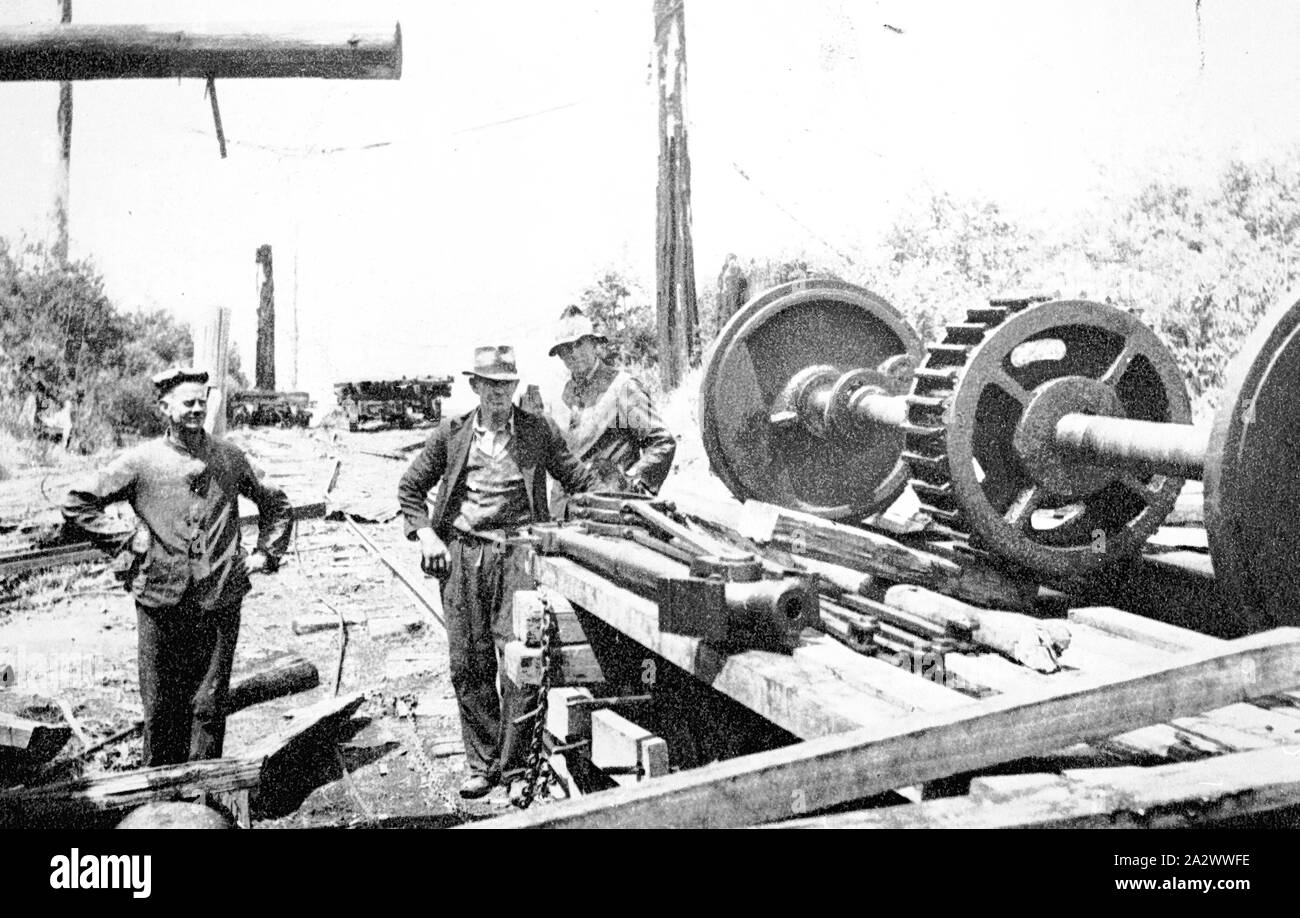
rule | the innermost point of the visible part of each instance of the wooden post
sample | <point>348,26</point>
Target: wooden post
<point>214,357</point>
<point>266,323</point>
<point>675,303</point>
<point>63,183</point>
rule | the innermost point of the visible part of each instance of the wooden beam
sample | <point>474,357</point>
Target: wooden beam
<point>214,357</point>
<point>34,742</point>
<point>86,801</point>
<point>270,50</point>
<point>1182,795</point>
<point>824,772</point>
<point>795,691</point>
<point>564,722</point>
<point>527,611</point>
<point>523,665</point>
<point>310,725</point>
<point>618,743</point>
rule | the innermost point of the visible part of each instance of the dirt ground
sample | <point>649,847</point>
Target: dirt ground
<point>69,634</point>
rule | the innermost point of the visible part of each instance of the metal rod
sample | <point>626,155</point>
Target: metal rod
<point>889,410</point>
<point>1172,449</point>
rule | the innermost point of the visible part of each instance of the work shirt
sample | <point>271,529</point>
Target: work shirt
<point>608,419</point>
<point>187,505</point>
<point>535,445</point>
<point>495,497</point>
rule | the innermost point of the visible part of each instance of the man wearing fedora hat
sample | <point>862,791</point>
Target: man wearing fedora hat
<point>606,414</point>
<point>183,563</point>
<point>490,467</point>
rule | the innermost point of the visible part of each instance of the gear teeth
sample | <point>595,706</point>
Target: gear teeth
<point>988,316</point>
<point>933,384</point>
<point>946,355</point>
<point>966,332</point>
<point>944,378</point>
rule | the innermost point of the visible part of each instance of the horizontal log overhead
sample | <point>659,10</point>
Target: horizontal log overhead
<point>117,52</point>
<point>820,773</point>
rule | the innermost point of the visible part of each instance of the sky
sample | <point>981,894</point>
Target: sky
<point>472,199</point>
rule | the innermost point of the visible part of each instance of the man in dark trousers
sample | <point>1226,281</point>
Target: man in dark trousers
<point>491,466</point>
<point>184,563</point>
<point>606,414</point>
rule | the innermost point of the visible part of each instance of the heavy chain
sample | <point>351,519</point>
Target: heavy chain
<point>536,762</point>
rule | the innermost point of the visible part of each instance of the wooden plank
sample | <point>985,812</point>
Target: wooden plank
<point>564,722</point>
<point>315,50</point>
<point>527,612</point>
<point>1159,635</point>
<point>523,665</point>
<point>1165,796</point>
<point>34,742</point>
<point>617,742</point>
<point>86,801</point>
<point>824,772</point>
<point>310,725</point>
<point>799,694</point>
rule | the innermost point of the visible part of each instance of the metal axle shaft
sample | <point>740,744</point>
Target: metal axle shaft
<point>1170,449</point>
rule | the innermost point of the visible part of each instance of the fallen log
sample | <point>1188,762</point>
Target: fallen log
<point>97,801</point>
<point>276,677</point>
<point>286,674</point>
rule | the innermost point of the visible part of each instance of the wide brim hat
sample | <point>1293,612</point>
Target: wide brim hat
<point>494,362</point>
<point>572,328</point>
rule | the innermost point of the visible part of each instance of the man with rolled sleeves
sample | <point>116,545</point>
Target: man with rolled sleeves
<point>490,466</point>
<point>183,562</point>
<point>606,414</point>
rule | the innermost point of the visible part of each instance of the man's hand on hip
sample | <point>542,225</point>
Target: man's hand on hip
<point>434,558</point>
<point>256,564</point>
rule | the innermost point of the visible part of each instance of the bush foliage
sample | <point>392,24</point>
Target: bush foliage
<point>62,340</point>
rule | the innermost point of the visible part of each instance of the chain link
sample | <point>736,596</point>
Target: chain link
<point>537,764</point>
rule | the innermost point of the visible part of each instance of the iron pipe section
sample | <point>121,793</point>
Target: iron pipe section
<point>787,603</point>
<point>1170,449</point>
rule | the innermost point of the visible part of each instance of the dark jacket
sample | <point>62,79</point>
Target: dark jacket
<point>187,506</point>
<point>536,447</point>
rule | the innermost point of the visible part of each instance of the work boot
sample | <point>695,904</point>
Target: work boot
<point>475,786</point>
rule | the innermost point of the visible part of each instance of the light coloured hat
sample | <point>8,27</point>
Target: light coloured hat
<point>572,328</point>
<point>168,380</point>
<point>494,363</point>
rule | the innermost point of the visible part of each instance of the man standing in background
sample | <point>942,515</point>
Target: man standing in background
<point>607,417</point>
